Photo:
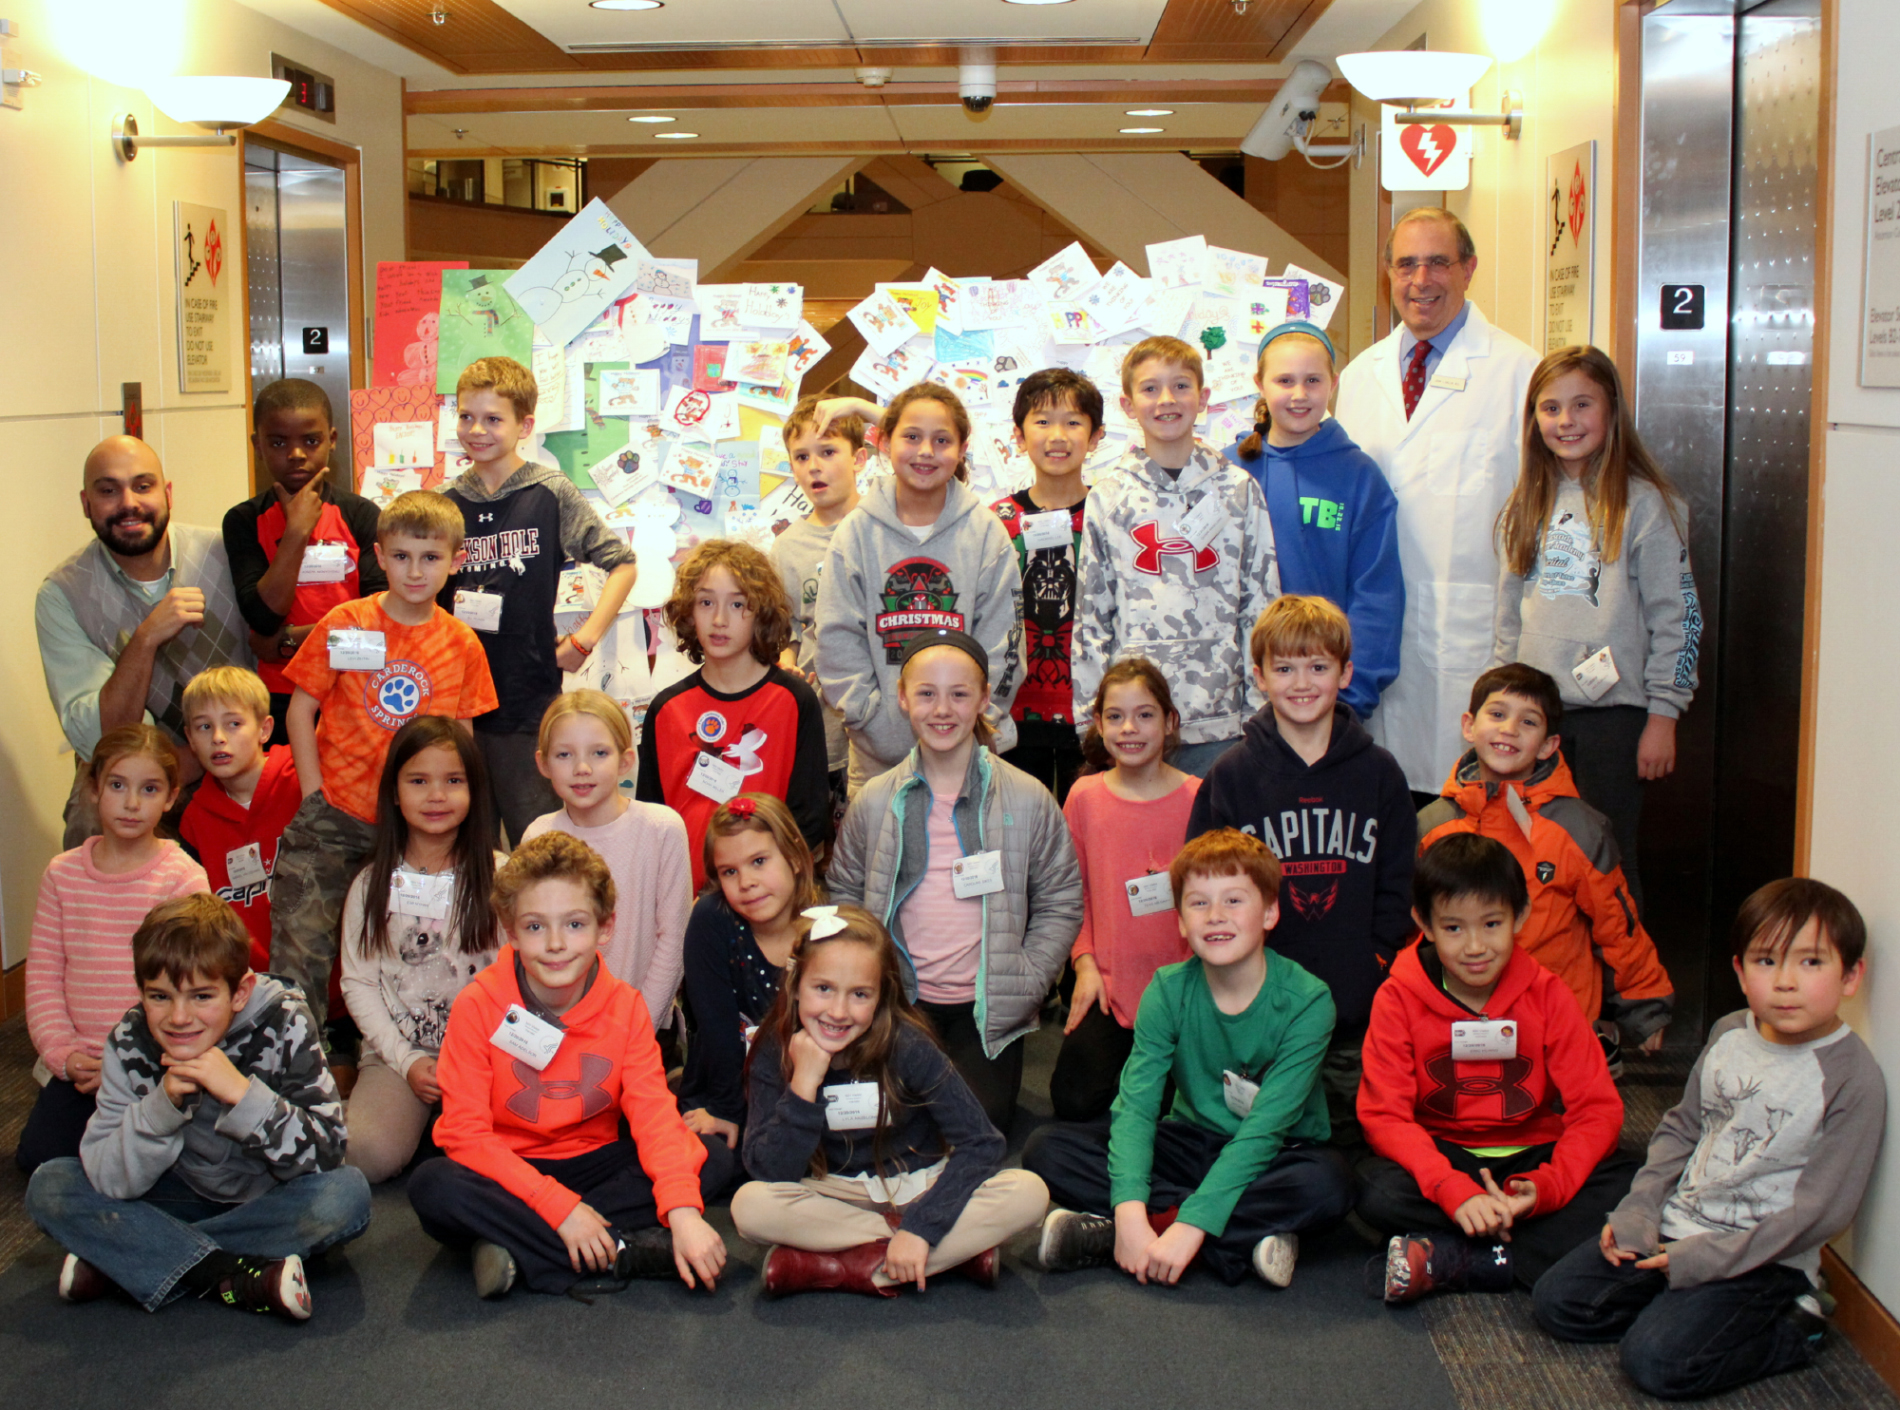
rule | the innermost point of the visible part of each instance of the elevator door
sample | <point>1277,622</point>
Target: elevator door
<point>298,256</point>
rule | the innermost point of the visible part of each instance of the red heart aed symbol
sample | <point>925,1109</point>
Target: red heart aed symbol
<point>1428,147</point>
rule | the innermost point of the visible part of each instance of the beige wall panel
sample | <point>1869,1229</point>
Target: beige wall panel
<point>720,210</point>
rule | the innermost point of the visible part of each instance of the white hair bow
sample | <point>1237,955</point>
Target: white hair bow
<point>825,921</point>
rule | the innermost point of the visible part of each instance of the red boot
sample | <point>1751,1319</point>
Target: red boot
<point>791,1270</point>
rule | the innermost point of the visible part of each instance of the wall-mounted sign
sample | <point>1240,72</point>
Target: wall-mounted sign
<point>1880,308</point>
<point>207,279</point>
<point>1682,306</point>
<point>1570,246</point>
<point>1420,156</point>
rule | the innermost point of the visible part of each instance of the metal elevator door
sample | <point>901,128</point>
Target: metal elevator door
<point>1731,128</point>
<point>296,240</point>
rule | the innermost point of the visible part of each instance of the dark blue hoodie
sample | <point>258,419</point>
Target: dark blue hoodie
<point>1346,837</point>
<point>1335,528</point>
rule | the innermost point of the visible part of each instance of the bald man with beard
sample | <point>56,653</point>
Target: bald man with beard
<point>130,618</point>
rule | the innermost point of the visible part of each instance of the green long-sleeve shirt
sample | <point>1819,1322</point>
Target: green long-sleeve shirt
<point>1278,1041</point>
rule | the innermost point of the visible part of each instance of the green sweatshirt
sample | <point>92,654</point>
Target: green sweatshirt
<point>1278,1042</point>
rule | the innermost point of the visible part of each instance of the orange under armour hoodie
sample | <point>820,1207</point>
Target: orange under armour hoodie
<point>1414,1093</point>
<point>498,1113</point>
<point>1578,896</point>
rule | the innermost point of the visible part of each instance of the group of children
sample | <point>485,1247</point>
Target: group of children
<point>1031,748</point>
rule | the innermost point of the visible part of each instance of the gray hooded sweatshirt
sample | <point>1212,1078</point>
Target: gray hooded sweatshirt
<point>881,586</point>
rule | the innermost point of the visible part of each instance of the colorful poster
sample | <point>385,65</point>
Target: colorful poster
<point>479,319</point>
<point>408,308</point>
<point>573,278</point>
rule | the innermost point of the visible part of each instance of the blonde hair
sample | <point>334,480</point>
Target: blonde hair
<point>226,685</point>
<point>1300,626</point>
<point>553,856</point>
<point>1262,420</point>
<point>506,378</point>
<point>1162,349</point>
<point>804,422</point>
<point>1624,457</point>
<point>421,514</point>
<point>982,731</point>
<point>944,397</point>
<point>596,705</point>
<point>764,594</point>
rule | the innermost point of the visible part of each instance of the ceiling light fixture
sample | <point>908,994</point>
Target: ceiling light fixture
<point>626,4</point>
<point>220,104</point>
<point>1142,131</point>
<point>674,136</point>
<point>1409,77</point>
<point>649,117</point>
<point>1150,112</point>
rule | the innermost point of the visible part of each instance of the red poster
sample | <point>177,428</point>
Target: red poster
<point>408,302</point>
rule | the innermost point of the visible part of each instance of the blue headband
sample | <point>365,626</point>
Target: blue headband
<point>1312,330</point>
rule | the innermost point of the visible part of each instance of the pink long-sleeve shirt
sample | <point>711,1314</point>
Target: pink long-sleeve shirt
<point>79,965</point>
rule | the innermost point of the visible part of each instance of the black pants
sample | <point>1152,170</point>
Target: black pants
<point>994,1081</point>
<point>55,1126</point>
<point>456,1206</point>
<point>1307,1187</point>
<point>1391,1202</point>
<point>1678,1342</point>
<point>521,794</point>
<point>1599,744</point>
<point>1049,753</point>
<point>1089,1068</point>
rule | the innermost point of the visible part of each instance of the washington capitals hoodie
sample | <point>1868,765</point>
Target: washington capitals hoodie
<point>1335,524</point>
<point>1346,837</point>
<point>883,584</point>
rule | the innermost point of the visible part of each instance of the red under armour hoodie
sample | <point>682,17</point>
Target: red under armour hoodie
<point>498,1113</point>
<point>1414,1092</point>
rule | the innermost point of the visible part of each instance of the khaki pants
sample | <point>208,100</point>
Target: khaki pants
<point>828,1213</point>
<point>385,1118</point>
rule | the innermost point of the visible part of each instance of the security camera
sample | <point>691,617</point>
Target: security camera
<point>874,77</point>
<point>976,80</point>
<point>1287,116</point>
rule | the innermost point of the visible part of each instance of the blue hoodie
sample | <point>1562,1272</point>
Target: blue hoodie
<point>1335,525</point>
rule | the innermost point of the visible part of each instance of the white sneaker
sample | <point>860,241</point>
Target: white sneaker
<point>1274,1257</point>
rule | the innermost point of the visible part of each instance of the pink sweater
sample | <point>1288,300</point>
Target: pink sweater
<point>79,965</point>
<point>645,849</point>
<point>1116,840</point>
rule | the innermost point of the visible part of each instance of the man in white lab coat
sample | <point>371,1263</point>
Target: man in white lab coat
<point>1439,404</point>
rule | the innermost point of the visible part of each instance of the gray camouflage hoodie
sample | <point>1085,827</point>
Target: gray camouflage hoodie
<point>881,586</point>
<point>289,1123</point>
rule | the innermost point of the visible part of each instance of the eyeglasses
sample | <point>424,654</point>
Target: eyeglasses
<point>1436,264</point>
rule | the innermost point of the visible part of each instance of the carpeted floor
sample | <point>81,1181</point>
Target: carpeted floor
<point>396,1319</point>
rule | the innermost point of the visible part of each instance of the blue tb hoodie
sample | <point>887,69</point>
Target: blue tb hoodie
<point>1335,525</point>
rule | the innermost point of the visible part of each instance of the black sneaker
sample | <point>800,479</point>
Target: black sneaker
<point>1071,1240</point>
<point>1612,1040</point>
<point>647,1253</point>
<point>1809,1316</point>
<point>265,1285</point>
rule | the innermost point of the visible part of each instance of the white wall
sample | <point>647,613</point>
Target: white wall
<point>1856,727</point>
<point>86,246</point>
<point>1568,79</point>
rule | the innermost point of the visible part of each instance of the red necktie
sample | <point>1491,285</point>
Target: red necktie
<point>1414,384</point>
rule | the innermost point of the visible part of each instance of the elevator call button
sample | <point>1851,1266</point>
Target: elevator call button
<point>1682,305</point>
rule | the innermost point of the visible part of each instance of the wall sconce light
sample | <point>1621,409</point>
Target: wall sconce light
<point>220,104</point>
<point>1413,76</point>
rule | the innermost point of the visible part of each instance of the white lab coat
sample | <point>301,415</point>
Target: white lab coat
<point>1452,467</point>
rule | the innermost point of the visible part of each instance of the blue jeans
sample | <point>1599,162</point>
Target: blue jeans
<point>1197,759</point>
<point>146,1245</point>
<point>1678,1342</point>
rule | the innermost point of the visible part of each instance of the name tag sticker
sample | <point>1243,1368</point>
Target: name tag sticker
<point>978,874</point>
<point>1053,529</point>
<point>712,777</point>
<point>1596,674</point>
<point>1238,1092</point>
<point>412,893</point>
<point>1448,382</point>
<point>481,610</point>
<point>520,1034</point>
<point>1202,524</point>
<point>1478,1039</point>
<point>324,563</point>
<point>245,865</point>
<point>851,1106</point>
<point>354,649</point>
<point>1150,895</point>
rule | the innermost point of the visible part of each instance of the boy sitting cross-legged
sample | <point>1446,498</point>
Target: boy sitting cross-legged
<point>214,1164</point>
<point>1708,1267</point>
<point>546,1052</point>
<point>1486,1100</point>
<point>1236,1170</point>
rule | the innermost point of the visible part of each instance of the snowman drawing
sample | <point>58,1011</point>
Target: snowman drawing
<point>587,271</point>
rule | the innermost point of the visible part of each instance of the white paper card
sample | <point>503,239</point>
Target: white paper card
<point>1054,528</point>
<point>324,563</point>
<point>1596,674</point>
<point>850,1106</point>
<point>979,874</point>
<point>520,1034</point>
<point>1237,1092</point>
<point>353,649</point>
<point>1067,274</point>
<point>481,610</point>
<point>245,865</point>
<point>622,475</point>
<point>712,777</point>
<point>884,322</point>
<point>1150,895</point>
<point>630,391</point>
<point>414,893</point>
<point>1476,1040</point>
<point>1322,294</point>
<point>1179,264</point>
<point>403,445</point>
<point>1203,523</point>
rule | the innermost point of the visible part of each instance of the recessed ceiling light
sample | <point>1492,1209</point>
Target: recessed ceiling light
<point>673,136</point>
<point>648,117</point>
<point>627,4</point>
<point>1141,131</point>
<point>1151,112</point>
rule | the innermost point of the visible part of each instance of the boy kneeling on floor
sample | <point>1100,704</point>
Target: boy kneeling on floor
<point>1486,1098</point>
<point>1235,1171</point>
<point>546,1051</point>
<point>214,1163</point>
<point>1709,1270</point>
